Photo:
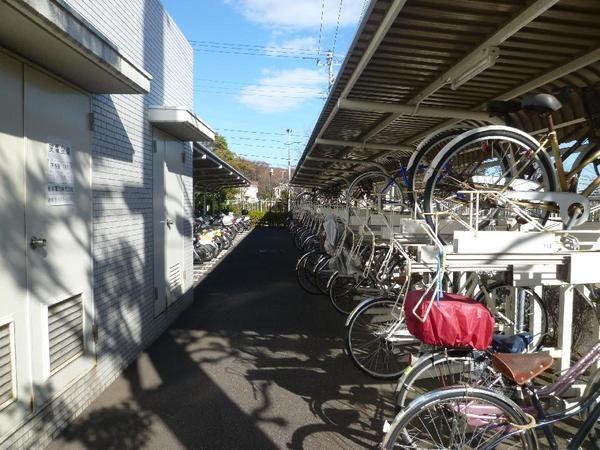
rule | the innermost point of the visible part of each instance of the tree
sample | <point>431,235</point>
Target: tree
<point>257,171</point>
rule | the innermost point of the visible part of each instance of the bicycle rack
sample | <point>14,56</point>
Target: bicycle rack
<point>525,253</point>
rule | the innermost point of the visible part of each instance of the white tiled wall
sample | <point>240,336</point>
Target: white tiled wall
<point>122,196</point>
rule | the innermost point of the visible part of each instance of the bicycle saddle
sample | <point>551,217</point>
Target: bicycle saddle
<point>501,108</point>
<point>540,103</point>
<point>522,368</point>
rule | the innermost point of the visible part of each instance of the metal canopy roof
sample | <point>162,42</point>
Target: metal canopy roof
<point>417,66</point>
<point>51,34</point>
<point>212,173</point>
<point>180,123</point>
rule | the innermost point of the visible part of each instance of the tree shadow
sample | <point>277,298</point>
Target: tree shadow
<point>118,427</point>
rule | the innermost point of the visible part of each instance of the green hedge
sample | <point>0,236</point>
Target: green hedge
<point>267,219</point>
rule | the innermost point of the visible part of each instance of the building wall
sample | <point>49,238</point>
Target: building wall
<point>122,194</point>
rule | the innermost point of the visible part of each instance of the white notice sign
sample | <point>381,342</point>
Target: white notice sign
<point>60,175</point>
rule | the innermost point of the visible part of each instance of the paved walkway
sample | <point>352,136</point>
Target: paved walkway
<point>254,364</point>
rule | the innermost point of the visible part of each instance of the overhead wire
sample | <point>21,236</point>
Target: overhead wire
<point>255,50</point>
<point>321,28</point>
<point>337,27</point>
<point>260,89</point>
<point>233,44</point>
<point>257,93</point>
<point>239,83</point>
<point>264,156</point>
<point>243,144</point>
<point>245,138</point>
<point>237,130</point>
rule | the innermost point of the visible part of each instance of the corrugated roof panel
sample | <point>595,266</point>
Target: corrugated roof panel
<point>430,37</point>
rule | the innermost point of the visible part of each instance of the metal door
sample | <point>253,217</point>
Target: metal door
<point>168,220</point>
<point>15,374</point>
<point>58,232</point>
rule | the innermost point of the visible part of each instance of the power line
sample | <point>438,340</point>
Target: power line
<point>264,156</point>
<point>262,140</point>
<point>238,83</point>
<point>337,27</point>
<point>260,93</point>
<point>234,130</point>
<point>206,50</point>
<point>321,28</point>
<point>268,47</point>
<point>260,88</point>
<point>243,144</point>
<point>255,50</point>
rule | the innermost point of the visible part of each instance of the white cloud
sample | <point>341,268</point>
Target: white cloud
<point>284,90</point>
<point>299,14</point>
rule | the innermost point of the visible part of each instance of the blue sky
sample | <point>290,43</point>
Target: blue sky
<point>262,96</point>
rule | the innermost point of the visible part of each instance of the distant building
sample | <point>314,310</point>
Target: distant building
<point>250,193</point>
<point>279,190</point>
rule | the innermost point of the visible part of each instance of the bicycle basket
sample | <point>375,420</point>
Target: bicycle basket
<point>454,321</point>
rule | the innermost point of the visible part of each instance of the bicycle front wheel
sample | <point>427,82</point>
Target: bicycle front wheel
<point>305,272</point>
<point>369,344</point>
<point>460,418</point>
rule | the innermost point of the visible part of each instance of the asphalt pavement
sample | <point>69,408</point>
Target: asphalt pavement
<point>254,363</point>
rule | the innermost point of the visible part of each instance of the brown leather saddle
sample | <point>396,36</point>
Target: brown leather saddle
<point>522,368</point>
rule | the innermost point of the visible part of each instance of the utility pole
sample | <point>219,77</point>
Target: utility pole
<point>289,143</point>
<point>329,59</point>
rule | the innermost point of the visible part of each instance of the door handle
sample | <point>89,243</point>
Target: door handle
<point>169,223</point>
<point>37,242</point>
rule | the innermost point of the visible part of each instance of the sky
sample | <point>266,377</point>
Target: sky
<point>256,71</point>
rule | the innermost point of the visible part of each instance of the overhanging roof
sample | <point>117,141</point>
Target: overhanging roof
<point>180,123</point>
<point>54,36</point>
<point>417,66</point>
<point>212,173</point>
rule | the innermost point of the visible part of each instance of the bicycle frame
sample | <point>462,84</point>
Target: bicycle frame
<point>564,178</point>
<point>578,408</point>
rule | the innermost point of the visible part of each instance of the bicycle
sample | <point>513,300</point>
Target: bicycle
<point>504,160</point>
<point>483,418</point>
<point>379,343</point>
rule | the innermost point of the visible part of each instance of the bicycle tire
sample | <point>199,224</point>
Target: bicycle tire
<point>426,146</point>
<point>389,349</point>
<point>304,273</point>
<point>447,368</point>
<point>344,292</point>
<point>400,189</point>
<point>463,141</point>
<point>456,397</point>
<point>323,274</point>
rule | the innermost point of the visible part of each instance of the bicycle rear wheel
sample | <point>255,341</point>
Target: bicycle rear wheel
<point>367,339</point>
<point>449,368</point>
<point>376,190</point>
<point>459,418</point>
<point>491,159</point>
<point>346,292</point>
<point>420,160</point>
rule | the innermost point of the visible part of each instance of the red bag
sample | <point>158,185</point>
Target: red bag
<point>454,321</point>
